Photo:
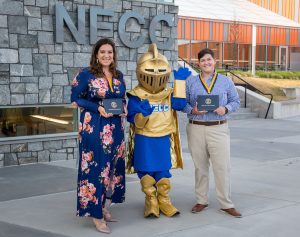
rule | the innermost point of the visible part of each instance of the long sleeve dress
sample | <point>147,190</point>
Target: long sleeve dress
<point>101,171</point>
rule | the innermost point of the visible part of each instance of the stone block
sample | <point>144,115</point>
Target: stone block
<point>131,66</point>
<point>28,41</point>
<point>47,22</point>
<point>21,70</point>
<point>55,68</point>
<point>29,2</point>
<point>17,24</point>
<point>41,3</point>
<point>123,53</point>
<point>46,48</point>
<point>56,94</point>
<point>27,160</point>
<point>45,82</point>
<point>24,154</point>
<point>55,59</point>
<point>44,156</point>
<point>31,99</point>
<point>32,11</point>
<point>4,41</point>
<point>113,4</point>
<point>13,41</point>
<point>81,59</point>
<point>4,78</point>
<point>126,5</point>
<point>10,159</point>
<point>25,55</point>
<point>3,21</point>
<point>70,143</point>
<point>4,149</point>
<point>21,147</point>
<point>34,23</point>
<point>35,146</point>
<point>9,55</point>
<point>60,79</point>
<point>58,156</point>
<point>17,99</point>
<point>45,38</point>
<point>31,88</point>
<point>68,60</point>
<point>5,95</point>
<point>44,96</point>
<point>58,49</point>
<point>9,7</point>
<point>67,94</point>
<point>34,80</point>
<point>40,65</point>
<point>4,67</point>
<point>53,144</point>
<point>17,88</point>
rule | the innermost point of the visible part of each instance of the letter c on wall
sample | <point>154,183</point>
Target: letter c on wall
<point>153,24</point>
<point>125,38</point>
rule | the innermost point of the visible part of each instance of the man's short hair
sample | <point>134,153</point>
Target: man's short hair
<point>205,51</point>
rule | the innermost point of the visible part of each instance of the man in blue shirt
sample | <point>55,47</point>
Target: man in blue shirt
<point>208,132</point>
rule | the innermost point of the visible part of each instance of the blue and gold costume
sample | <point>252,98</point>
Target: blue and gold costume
<point>154,130</point>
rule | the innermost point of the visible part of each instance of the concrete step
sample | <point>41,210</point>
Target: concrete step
<point>242,115</point>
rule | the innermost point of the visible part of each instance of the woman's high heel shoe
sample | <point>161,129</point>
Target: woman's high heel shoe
<point>107,216</point>
<point>101,226</point>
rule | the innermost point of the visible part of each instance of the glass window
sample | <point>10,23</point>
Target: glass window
<point>27,121</point>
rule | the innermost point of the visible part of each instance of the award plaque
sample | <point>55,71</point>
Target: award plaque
<point>114,106</point>
<point>208,102</point>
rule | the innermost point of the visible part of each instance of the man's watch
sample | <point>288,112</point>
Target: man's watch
<point>226,110</point>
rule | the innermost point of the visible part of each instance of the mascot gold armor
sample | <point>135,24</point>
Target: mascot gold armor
<point>154,143</point>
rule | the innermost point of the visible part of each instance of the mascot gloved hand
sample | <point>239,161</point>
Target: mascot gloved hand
<point>180,76</point>
<point>145,108</point>
<point>182,73</point>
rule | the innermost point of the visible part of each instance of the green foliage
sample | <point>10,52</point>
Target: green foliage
<point>271,74</point>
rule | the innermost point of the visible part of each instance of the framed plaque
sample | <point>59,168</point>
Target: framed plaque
<point>114,106</point>
<point>208,102</point>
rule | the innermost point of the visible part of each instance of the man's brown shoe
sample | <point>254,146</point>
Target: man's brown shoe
<point>198,208</point>
<point>232,211</point>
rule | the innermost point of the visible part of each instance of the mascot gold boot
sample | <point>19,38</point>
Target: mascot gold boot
<point>154,143</point>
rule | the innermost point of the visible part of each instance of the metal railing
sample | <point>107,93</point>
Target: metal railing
<point>246,84</point>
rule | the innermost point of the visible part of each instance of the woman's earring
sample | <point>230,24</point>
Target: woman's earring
<point>97,60</point>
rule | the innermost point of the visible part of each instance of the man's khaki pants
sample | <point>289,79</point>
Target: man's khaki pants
<point>211,143</point>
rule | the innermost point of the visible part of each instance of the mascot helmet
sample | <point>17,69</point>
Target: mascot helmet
<point>153,70</point>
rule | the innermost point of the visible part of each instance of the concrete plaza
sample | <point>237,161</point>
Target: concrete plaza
<point>39,199</point>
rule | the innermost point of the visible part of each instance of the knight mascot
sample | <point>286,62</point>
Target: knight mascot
<point>154,143</point>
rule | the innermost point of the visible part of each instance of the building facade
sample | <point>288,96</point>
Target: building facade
<point>43,44</point>
<point>228,28</point>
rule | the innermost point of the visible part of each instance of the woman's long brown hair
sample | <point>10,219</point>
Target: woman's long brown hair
<point>96,67</point>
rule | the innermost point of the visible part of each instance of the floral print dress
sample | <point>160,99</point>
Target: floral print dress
<point>101,171</point>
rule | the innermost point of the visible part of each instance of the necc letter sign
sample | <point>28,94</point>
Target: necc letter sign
<point>79,33</point>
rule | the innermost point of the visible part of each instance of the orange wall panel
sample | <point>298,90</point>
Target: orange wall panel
<point>179,28</point>
<point>239,33</point>
<point>218,31</point>
<point>201,28</point>
<point>274,4</point>
<point>294,37</point>
<point>278,36</point>
<point>288,8</point>
<point>187,29</point>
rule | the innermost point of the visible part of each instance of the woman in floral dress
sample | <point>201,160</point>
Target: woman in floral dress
<point>101,173</point>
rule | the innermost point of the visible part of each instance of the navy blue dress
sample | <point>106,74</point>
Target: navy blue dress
<point>101,171</point>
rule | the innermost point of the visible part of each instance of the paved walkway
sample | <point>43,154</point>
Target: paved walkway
<point>39,199</point>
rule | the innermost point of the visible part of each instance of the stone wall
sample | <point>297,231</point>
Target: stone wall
<point>38,151</point>
<point>35,70</point>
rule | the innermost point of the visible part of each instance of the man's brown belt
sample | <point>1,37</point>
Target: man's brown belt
<point>207,123</point>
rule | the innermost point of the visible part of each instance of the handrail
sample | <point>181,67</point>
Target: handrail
<point>247,83</point>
